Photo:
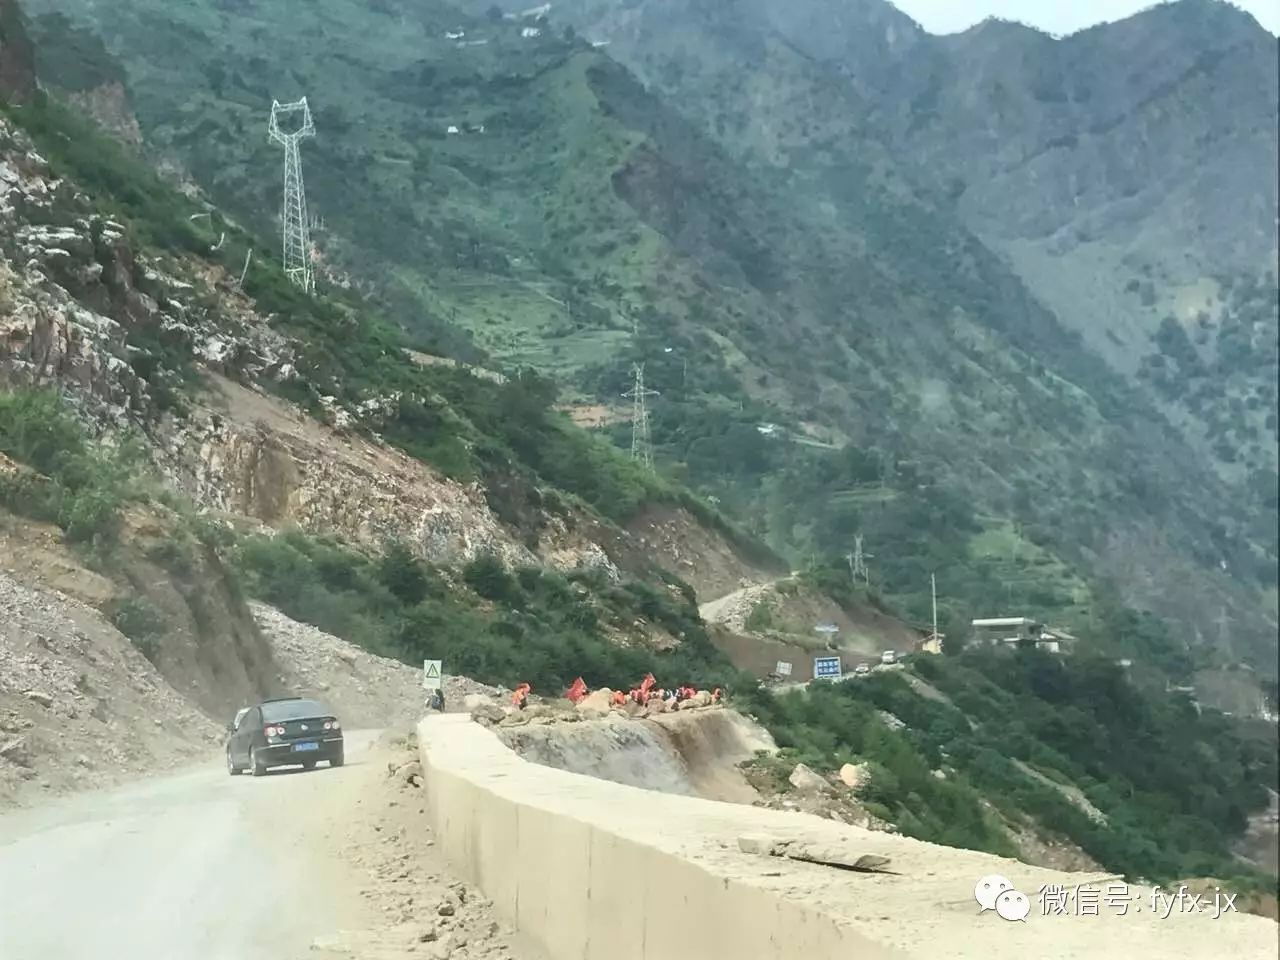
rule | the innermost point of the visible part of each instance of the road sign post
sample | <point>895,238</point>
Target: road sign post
<point>432,675</point>
<point>827,668</point>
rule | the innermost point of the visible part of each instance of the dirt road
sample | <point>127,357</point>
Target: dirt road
<point>204,866</point>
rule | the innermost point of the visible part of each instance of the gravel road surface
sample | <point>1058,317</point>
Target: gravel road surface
<point>198,865</point>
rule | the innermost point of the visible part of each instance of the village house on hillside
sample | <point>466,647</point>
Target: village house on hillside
<point>1015,631</point>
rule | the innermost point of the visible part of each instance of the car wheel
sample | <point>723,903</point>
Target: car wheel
<point>231,766</point>
<point>336,761</point>
<point>258,768</point>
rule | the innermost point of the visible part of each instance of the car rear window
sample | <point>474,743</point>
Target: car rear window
<point>294,710</point>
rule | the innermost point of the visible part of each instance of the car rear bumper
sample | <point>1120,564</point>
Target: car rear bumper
<point>282,754</point>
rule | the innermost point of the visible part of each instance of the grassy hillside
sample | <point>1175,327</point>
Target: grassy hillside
<point>1072,749</point>
<point>831,296</point>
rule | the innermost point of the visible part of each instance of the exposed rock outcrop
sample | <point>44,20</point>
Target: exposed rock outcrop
<point>109,105</point>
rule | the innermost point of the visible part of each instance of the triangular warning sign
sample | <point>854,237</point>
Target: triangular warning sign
<point>433,669</point>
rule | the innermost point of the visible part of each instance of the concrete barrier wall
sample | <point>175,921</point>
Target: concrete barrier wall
<point>594,870</point>
<point>583,890</point>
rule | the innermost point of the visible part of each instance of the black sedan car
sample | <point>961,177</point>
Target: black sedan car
<point>290,731</point>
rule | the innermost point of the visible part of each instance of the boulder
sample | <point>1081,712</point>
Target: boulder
<point>407,772</point>
<point>17,751</point>
<point>596,704</point>
<point>488,714</point>
<point>855,776</point>
<point>806,781</point>
<point>37,696</point>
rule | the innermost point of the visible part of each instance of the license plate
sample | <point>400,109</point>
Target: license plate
<point>300,747</point>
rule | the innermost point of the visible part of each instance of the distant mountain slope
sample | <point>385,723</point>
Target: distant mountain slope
<point>762,243</point>
<point>1128,173</point>
<point>1125,174</point>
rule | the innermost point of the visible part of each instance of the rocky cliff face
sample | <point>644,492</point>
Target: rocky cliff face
<point>78,302</point>
<point>109,105</point>
<point>17,58</point>
<point>82,310</point>
<point>255,456</point>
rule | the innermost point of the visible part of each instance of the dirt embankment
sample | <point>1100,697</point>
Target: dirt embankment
<point>366,691</point>
<point>673,539</point>
<point>693,753</point>
<point>411,904</point>
<point>168,590</point>
<point>80,707</point>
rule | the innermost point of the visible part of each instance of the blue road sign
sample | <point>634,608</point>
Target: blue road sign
<point>826,668</point>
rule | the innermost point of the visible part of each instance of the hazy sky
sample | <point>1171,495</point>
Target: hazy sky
<point>1055,16</point>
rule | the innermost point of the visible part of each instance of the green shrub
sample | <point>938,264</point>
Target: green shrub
<point>86,486</point>
<point>487,575</point>
<point>141,622</point>
<point>538,626</point>
<point>760,618</point>
<point>401,573</point>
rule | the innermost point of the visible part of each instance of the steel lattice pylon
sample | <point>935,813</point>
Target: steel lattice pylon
<point>641,447</point>
<point>293,214</point>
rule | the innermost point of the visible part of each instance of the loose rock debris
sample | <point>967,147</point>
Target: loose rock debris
<point>840,856</point>
<point>424,913</point>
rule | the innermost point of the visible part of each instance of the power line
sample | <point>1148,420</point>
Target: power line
<point>641,445</point>
<point>293,218</point>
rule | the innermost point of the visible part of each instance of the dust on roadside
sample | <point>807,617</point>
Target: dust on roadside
<point>414,907</point>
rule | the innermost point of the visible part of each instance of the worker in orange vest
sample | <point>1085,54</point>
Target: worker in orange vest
<point>520,699</point>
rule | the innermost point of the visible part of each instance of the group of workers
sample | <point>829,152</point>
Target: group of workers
<point>647,692</point>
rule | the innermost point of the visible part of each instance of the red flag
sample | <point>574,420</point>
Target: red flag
<point>647,683</point>
<point>577,691</point>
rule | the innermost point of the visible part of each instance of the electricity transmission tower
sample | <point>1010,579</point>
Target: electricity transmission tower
<point>933,590</point>
<point>641,447</point>
<point>293,217</point>
<point>858,562</point>
<point>1222,622</point>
